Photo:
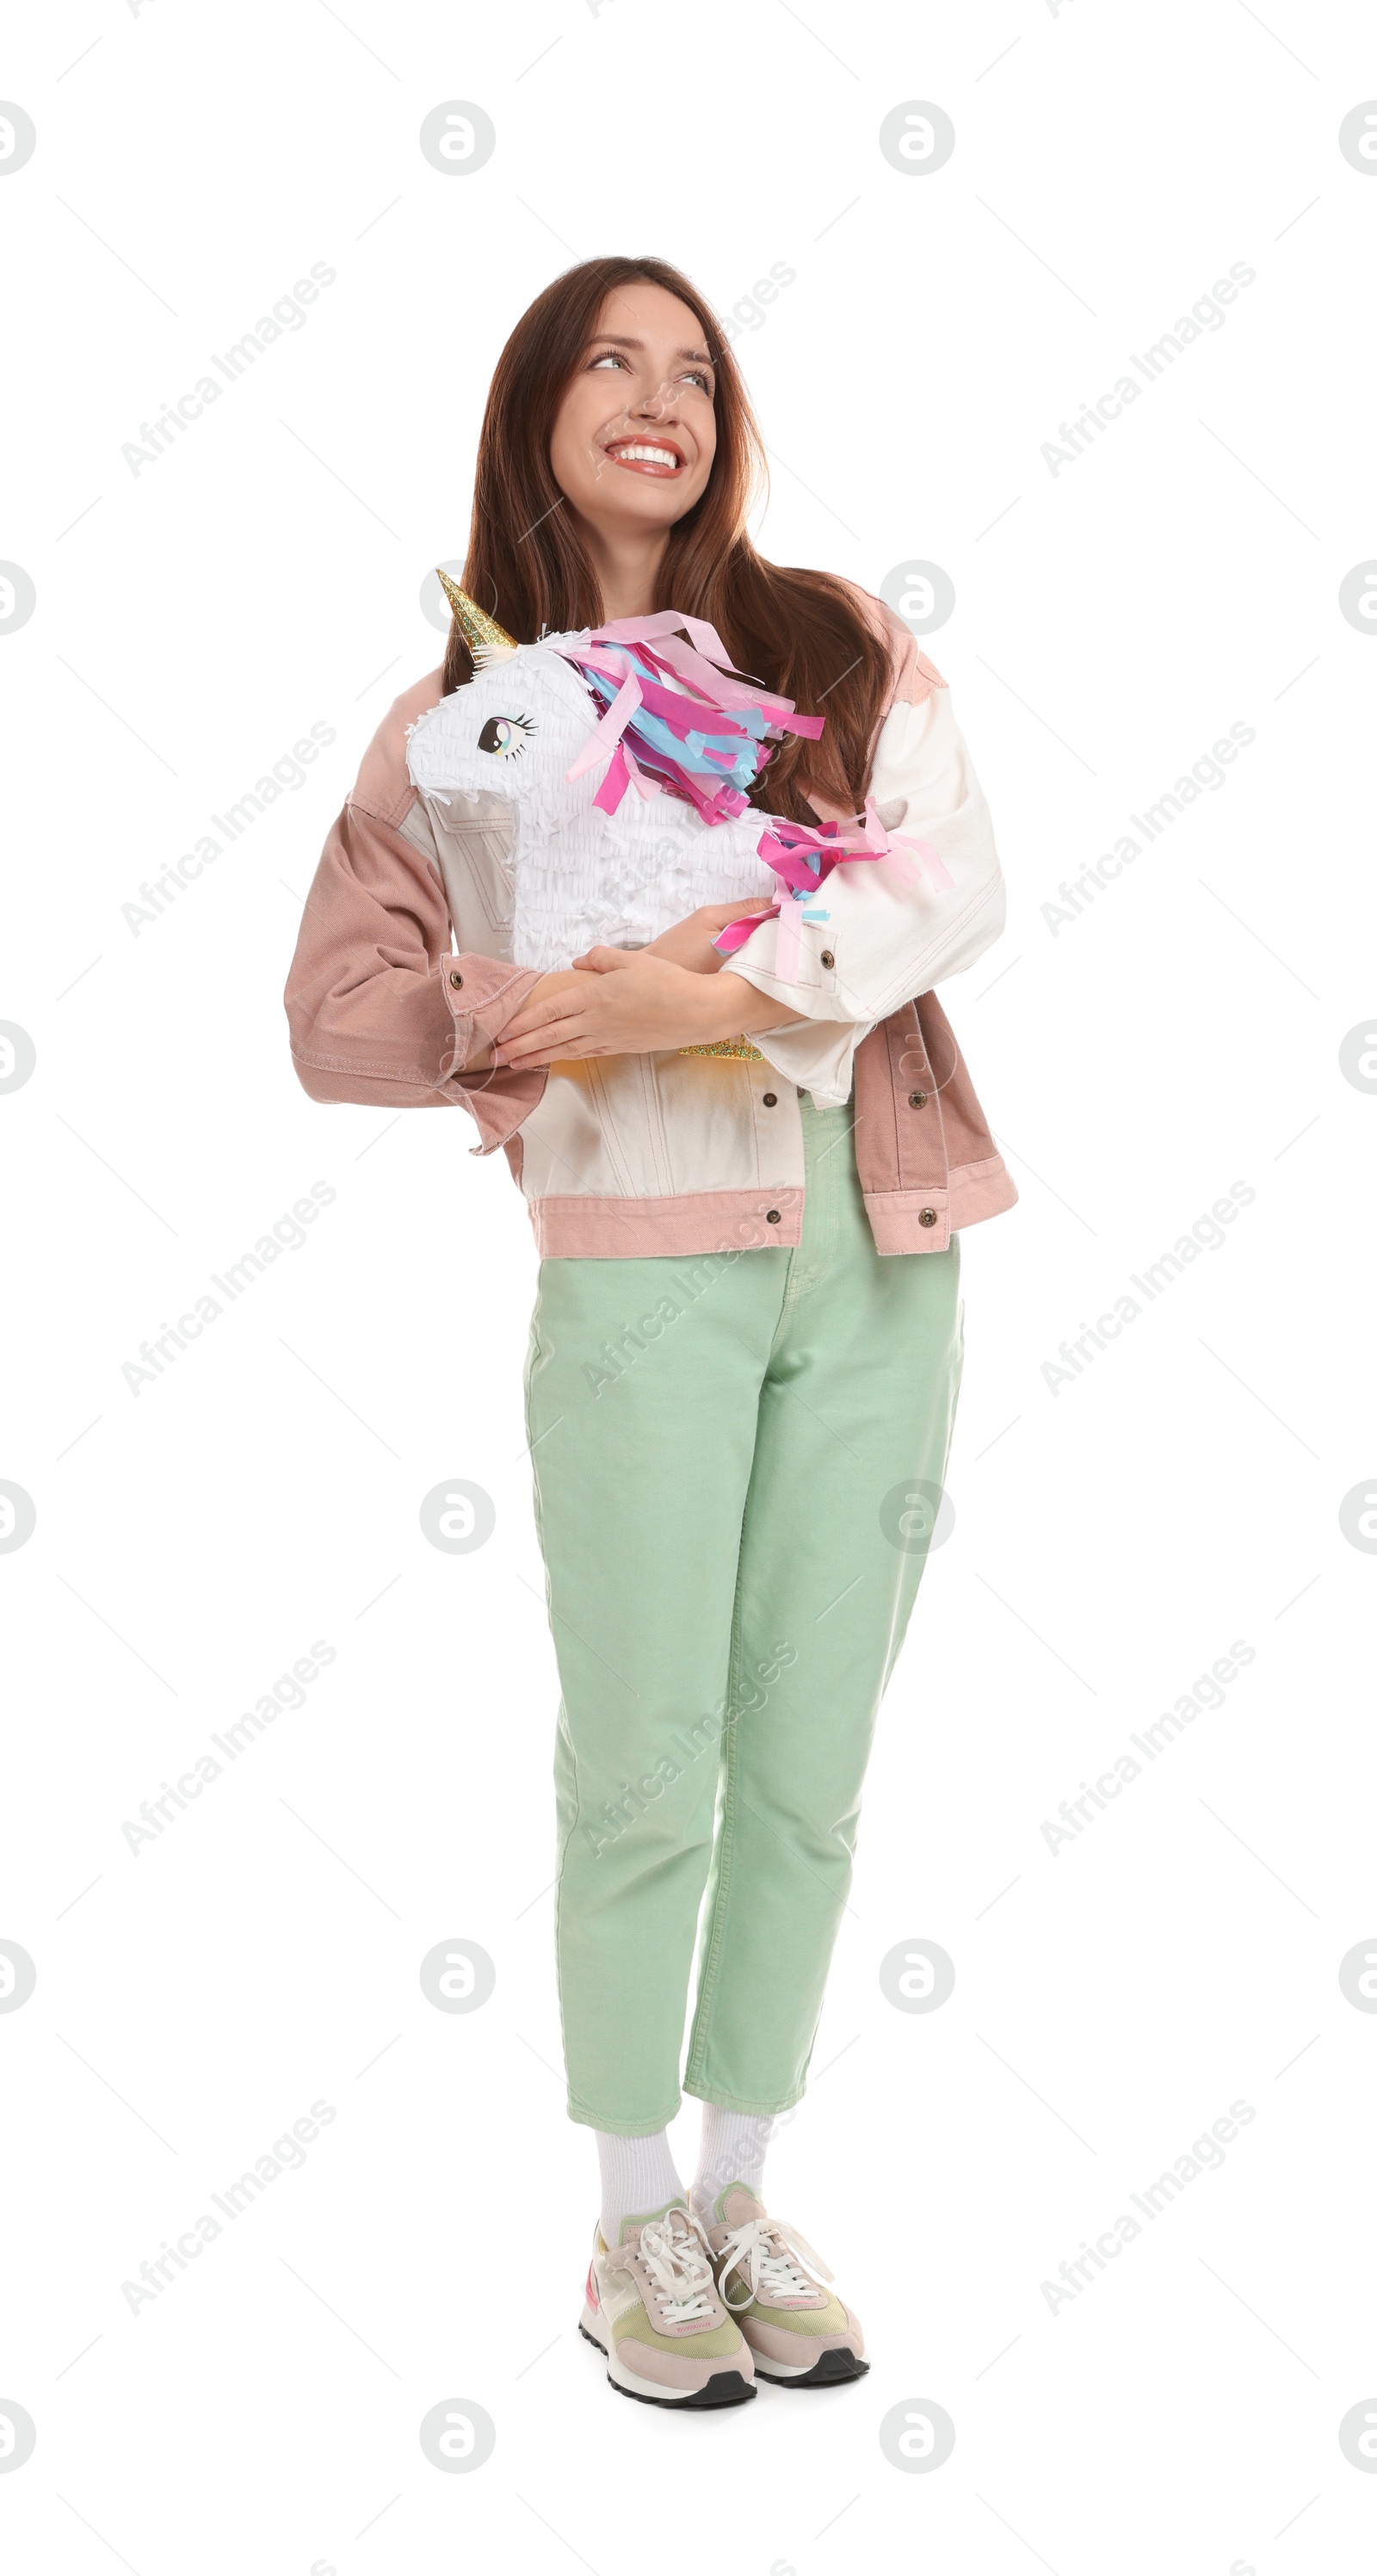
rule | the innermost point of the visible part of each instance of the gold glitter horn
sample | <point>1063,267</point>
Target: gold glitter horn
<point>486,640</point>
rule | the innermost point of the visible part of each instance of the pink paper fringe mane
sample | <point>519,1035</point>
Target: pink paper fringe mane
<point>684,735</point>
<point>673,738</point>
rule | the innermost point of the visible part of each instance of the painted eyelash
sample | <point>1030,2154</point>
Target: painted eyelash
<point>520,728</point>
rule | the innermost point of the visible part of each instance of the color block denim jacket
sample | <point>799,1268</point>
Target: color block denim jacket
<point>403,972</point>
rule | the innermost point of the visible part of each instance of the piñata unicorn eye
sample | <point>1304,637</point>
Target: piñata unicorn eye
<point>505,736</point>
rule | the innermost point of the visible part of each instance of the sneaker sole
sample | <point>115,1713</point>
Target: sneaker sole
<point>724,2388</point>
<point>830,2370</point>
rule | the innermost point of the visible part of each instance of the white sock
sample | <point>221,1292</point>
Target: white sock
<point>638,2176</point>
<point>732,2149</point>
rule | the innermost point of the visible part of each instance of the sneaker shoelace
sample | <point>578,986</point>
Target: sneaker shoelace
<point>676,2258</point>
<point>775,2261</point>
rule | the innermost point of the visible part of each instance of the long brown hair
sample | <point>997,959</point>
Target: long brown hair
<point>799,633</point>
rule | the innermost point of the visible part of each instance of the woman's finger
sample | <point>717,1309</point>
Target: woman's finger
<point>548,1001</point>
<point>534,1016</point>
<point>559,1039</point>
<point>567,1051</point>
<point>571,1051</point>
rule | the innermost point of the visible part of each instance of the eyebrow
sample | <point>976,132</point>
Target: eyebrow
<point>619,340</point>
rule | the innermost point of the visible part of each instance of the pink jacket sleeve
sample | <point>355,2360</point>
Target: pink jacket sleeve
<point>379,1007</point>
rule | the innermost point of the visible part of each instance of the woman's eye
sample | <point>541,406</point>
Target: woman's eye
<point>505,736</point>
<point>609,358</point>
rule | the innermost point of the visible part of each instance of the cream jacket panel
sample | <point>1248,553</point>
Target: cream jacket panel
<point>468,840</point>
<point>888,943</point>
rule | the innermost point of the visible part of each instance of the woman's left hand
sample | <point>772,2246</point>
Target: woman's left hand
<point>689,943</point>
<point>622,1001</point>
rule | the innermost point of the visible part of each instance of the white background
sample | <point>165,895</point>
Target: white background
<point>1112,1539</point>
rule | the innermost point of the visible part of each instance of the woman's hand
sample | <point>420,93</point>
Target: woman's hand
<point>623,1001</point>
<point>689,942</point>
<point>626,1001</point>
<point>548,988</point>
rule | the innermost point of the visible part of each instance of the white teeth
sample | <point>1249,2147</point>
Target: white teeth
<point>650,455</point>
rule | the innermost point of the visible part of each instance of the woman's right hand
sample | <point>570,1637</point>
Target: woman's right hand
<point>545,989</point>
<point>689,943</point>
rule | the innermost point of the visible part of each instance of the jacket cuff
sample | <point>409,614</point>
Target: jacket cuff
<point>483,994</point>
<point>817,1055</point>
<point>817,993</point>
<point>499,1100</point>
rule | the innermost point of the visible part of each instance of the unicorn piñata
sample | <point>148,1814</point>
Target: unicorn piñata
<point>623,754</point>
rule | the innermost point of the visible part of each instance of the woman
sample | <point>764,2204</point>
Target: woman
<point>745,1187</point>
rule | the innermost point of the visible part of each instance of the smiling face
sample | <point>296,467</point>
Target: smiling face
<point>634,438</point>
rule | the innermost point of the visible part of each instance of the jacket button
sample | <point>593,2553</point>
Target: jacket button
<point>456,980</point>
<point>917,1100</point>
<point>772,1216</point>
<point>927,1216</point>
<point>769,1099</point>
<point>827,957</point>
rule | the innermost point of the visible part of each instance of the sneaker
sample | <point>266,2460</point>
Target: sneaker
<point>770,2280</point>
<point>651,2307</point>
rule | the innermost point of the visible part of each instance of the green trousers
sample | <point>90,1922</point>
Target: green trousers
<point>736,1460</point>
